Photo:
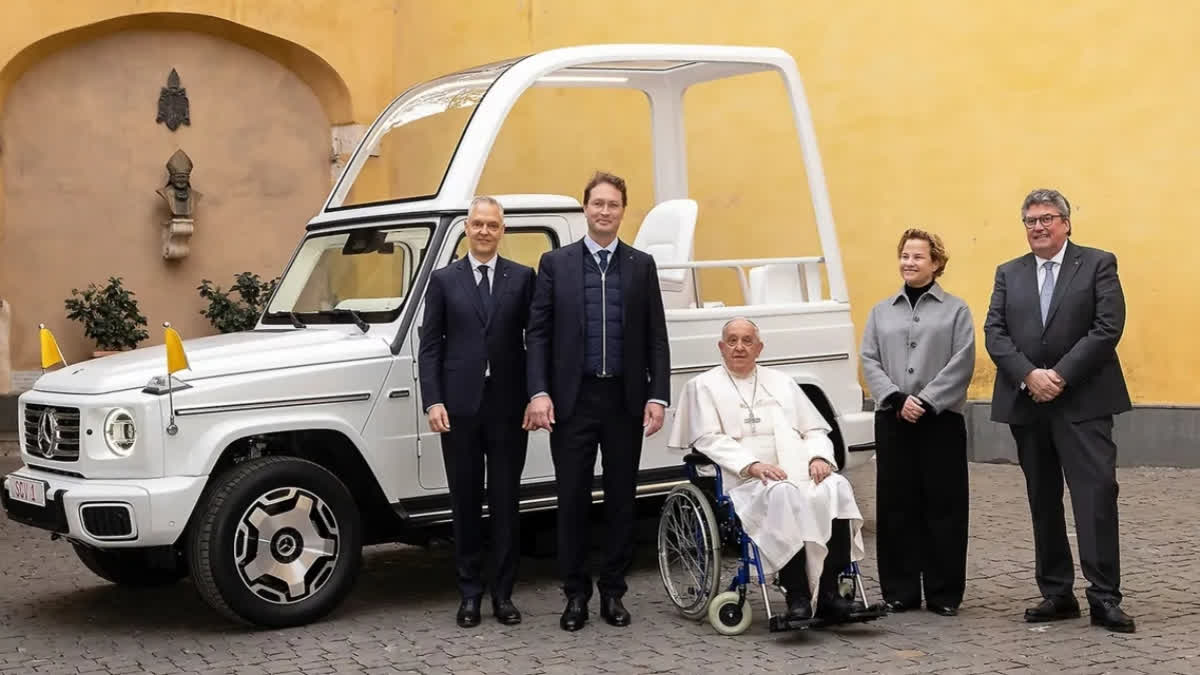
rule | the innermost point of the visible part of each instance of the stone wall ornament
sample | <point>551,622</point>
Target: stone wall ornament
<point>173,103</point>
<point>181,202</point>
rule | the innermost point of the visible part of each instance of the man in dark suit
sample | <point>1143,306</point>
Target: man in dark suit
<point>1052,329</point>
<point>472,363</point>
<point>599,374</point>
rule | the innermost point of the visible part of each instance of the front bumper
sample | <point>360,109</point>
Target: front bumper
<point>158,509</point>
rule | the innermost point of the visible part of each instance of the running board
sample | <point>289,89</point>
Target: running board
<point>435,509</point>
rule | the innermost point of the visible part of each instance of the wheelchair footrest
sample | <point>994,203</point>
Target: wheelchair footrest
<point>778,624</point>
<point>876,611</point>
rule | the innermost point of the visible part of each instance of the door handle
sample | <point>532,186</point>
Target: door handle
<point>400,393</point>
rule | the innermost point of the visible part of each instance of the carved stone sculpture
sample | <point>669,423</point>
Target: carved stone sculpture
<point>173,103</point>
<point>181,202</point>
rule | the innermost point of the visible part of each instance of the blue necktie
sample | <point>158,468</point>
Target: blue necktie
<point>485,289</point>
<point>603,253</point>
<point>1047,289</point>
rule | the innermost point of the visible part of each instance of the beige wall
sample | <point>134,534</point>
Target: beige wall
<point>83,156</point>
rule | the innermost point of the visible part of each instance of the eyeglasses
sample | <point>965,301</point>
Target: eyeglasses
<point>1045,219</point>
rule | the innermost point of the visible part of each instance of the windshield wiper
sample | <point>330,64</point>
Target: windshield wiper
<point>358,320</point>
<point>296,322</point>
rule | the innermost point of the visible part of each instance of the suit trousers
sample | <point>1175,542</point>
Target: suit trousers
<point>922,509</point>
<point>1085,453</point>
<point>491,442</point>
<point>600,418</point>
<point>794,576</point>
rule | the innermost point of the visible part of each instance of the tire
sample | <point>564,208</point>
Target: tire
<point>275,516</point>
<point>132,567</point>
<point>689,550</point>
<point>726,617</point>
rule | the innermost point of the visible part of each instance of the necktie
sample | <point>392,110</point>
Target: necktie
<point>485,289</point>
<point>1047,289</point>
<point>603,253</point>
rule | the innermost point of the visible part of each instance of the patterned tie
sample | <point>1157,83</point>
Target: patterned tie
<point>1047,289</point>
<point>603,253</point>
<point>485,289</point>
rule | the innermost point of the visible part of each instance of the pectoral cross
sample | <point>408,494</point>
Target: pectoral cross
<point>751,418</point>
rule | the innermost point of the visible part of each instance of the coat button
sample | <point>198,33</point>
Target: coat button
<point>917,319</point>
<point>912,344</point>
<point>910,371</point>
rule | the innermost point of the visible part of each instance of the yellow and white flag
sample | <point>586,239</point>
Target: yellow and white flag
<point>51,354</point>
<point>176,357</point>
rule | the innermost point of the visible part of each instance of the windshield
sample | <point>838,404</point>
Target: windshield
<point>368,272</point>
<point>425,122</point>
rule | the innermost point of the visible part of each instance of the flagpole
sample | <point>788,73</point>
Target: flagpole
<point>171,428</point>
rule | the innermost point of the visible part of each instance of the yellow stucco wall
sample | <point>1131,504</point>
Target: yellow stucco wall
<point>940,113</point>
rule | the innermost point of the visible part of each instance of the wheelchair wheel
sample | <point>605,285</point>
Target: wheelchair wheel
<point>689,550</point>
<point>726,616</point>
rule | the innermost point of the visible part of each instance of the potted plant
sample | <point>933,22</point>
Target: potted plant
<point>231,315</point>
<point>109,315</point>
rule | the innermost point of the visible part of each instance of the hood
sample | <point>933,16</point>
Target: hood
<point>216,356</point>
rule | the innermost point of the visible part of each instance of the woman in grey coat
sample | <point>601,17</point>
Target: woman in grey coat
<point>918,355</point>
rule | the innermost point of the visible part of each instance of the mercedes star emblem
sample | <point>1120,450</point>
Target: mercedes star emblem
<point>47,434</point>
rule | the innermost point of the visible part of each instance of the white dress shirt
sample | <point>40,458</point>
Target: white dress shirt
<point>1041,265</point>
<point>594,248</point>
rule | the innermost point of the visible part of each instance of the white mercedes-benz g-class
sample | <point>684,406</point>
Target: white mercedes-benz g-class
<point>282,451</point>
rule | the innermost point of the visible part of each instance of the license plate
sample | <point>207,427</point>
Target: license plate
<point>28,491</point>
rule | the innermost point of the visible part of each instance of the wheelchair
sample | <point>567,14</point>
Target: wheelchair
<point>691,536</point>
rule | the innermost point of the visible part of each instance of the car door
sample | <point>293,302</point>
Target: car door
<point>526,238</point>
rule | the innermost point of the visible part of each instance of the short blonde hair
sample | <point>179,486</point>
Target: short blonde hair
<point>937,250</point>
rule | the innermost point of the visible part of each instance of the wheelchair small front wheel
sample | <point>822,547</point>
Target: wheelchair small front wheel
<point>728,615</point>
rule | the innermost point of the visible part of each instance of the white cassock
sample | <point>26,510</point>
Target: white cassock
<point>767,418</point>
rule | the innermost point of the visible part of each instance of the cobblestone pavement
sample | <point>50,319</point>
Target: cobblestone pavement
<point>55,617</point>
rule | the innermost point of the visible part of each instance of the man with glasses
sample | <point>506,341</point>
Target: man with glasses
<point>1056,316</point>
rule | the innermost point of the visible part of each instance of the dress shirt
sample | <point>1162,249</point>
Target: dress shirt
<point>1057,260</point>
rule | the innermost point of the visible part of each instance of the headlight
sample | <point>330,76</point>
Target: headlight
<point>120,432</point>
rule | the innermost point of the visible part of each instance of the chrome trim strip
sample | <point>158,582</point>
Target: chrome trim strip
<point>545,503</point>
<point>400,393</point>
<point>273,403</point>
<point>815,358</point>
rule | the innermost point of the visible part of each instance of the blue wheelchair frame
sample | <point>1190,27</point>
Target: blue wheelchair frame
<point>750,555</point>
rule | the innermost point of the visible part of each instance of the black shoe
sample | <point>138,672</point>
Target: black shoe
<point>835,607</point>
<point>614,612</point>
<point>799,607</point>
<point>1110,615</point>
<point>468,613</point>
<point>506,612</point>
<point>1054,609</point>
<point>896,606</point>
<point>575,615</point>
<point>944,610</point>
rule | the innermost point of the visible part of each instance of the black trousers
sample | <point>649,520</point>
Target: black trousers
<point>922,507</point>
<point>490,442</point>
<point>600,418</point>
<point>1085,453</point>
<point>794,575</point>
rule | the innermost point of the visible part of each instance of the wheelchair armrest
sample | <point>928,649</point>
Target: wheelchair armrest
<point>695,458</point>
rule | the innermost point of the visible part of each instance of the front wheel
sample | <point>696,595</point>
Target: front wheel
<point>133,567</point>
<point>729,614</point>
<point>278,542</point>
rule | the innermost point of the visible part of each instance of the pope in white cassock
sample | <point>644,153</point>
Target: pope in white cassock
<point>778,468</point>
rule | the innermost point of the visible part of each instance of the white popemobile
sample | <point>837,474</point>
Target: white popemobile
<point>282,451</point>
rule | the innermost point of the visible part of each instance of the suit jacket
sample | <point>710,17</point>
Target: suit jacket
<point>555,336</point>
<point>459,340</point>
<point>1079,341</point>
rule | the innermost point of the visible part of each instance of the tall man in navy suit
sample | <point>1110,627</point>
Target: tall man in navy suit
<point>599,374</point>
<point>1052,329</point>
<point>473,383</point>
